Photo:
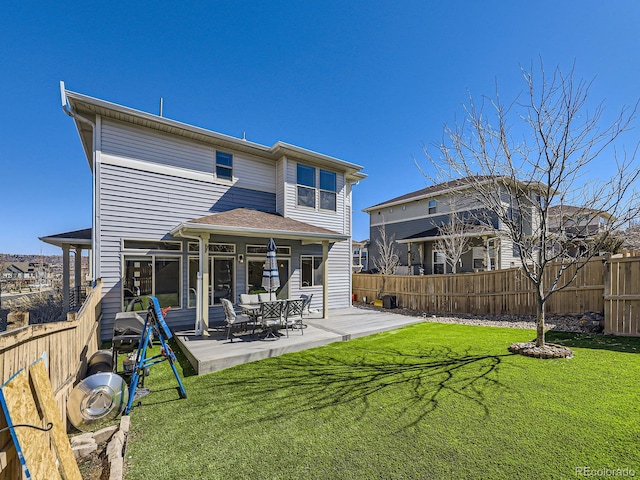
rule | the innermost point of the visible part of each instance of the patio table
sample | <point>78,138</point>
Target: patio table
<point>253,310</point>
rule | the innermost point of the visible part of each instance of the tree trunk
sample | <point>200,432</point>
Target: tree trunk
<point>540,317</point>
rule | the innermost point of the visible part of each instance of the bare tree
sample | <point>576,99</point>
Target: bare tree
<point>454,239</point>
<point>519,176</point>
<point>387,259</point>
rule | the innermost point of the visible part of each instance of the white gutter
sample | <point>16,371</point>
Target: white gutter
<point>66,108</point>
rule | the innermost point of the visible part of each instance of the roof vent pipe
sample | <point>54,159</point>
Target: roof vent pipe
<point>161,101</point>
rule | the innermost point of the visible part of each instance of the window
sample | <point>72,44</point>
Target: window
<point>311,270</point>
<point>479,254</point>
<point>327,190</point>
<point>152,245</point>
<point>432,206</point>
<point>222,273</point>
<point>152,275</point>
<point>224,165</point>
<point>306,179</point>
<point>438,262</point>
<point>262,250</point>
<point>214,248</point>
<point>516,250</point>
<point>222,279</point>
<point>255,268</point>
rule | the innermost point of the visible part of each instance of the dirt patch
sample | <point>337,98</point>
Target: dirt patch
<point>95,466</point>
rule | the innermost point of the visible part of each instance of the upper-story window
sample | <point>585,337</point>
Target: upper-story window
<point>327,190</point>
<point>224,165</point>
<point>432,206</point>
<point>306,180</point>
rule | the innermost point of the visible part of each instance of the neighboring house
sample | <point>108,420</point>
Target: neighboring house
<point>577,227</point>
<point>20,270</point>
<point>416,221</point>
<point>185,213</point>
<point>360,256</point>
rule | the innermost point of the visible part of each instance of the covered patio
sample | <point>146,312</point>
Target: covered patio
<point>260,227</point>
<point>214,352</point>
<point>77,240</point>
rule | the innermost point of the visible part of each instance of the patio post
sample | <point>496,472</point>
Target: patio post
<point>204,294</point>
<point>77,275</point>
<point>325,280</point>
<point>65,278</point>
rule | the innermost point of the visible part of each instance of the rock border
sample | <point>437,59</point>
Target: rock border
<point>548,350</point>
<point>114,436</point>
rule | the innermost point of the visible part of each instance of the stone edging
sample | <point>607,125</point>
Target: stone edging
<point>114,436</point>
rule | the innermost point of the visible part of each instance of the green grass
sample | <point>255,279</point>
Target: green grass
<point>426,401</point>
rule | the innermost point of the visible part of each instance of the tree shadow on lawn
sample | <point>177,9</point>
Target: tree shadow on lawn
<point>412,384</point>
<point>595,341</point>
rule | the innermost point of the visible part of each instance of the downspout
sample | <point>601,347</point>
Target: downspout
<point>201,327</point>
<point>66,108</point>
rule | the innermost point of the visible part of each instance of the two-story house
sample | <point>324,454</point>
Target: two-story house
<point>576,228</point>
<point>185,214</point>
<point>418,220</point>
<point>360,255</point>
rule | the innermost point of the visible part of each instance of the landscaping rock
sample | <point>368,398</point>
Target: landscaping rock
<point>105,434</point>
<point>548,350</point>
<point>84,449</point>
<point>561,323</point>
<point>82,439</point>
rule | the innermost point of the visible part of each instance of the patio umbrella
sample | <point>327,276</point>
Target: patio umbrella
<point>270,277</point>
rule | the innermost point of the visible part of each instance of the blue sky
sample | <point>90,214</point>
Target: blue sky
<point>367,82</point>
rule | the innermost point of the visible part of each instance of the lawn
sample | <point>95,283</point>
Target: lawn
<point>426,401</point>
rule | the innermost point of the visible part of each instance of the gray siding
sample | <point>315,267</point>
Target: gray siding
<point>340,275</point>
<point>145,205</point>
<point>147,183</point>
<point>128,141</point>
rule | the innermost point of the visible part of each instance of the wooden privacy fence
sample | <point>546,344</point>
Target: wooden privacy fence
<point>68,345</point>
<point>622,296</point>
<point>606,285</point>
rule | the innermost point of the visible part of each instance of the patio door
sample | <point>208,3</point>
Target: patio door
<point>222,279</point>
<point>255,267</point>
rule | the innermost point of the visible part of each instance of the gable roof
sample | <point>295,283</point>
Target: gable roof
<point>254,223</point>
<point>433,190</point>
<point>83,109</point>
<point>570,210</point>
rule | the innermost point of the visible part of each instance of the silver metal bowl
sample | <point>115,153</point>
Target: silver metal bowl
<point>97,400</point>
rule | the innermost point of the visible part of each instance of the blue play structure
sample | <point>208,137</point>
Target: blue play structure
<point>154,326</point>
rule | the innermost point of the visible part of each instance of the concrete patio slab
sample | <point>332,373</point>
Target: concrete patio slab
<point>209,354</point>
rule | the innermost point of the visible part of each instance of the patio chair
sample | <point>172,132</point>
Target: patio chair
<point>232,318</point>
<point>293,315</point>
<point>271,318</point>
<point>307,303</point>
